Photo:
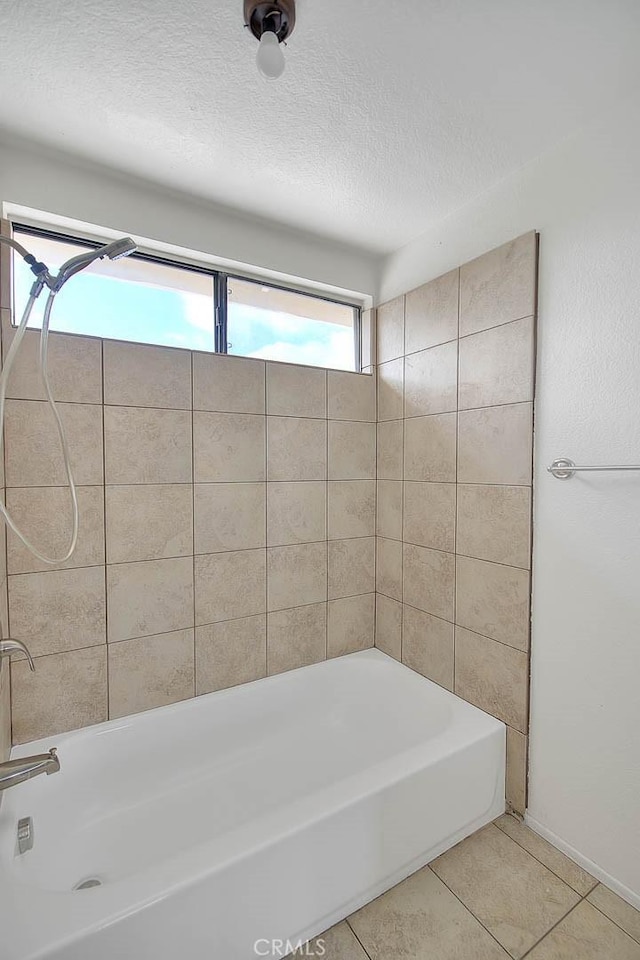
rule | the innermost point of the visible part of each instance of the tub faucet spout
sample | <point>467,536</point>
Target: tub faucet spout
<point>17,771</point>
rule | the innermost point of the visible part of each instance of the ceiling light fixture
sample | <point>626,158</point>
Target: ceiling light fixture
<point>271,22</point>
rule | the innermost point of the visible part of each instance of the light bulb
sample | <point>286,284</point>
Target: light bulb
<point>270,58</point>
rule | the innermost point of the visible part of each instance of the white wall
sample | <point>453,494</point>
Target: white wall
<point>584,198</point>
<point>53,182</point>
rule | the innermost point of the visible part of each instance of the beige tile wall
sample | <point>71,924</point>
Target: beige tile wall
<point>455,381</point>
<point>5,693</point>
<point>227,525</point>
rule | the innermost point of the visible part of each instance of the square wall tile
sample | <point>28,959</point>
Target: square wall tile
<point>350,625</point>
<point>429,580</point>
<point>230,586</point>
<point>294,391</point>
<point>296,638</point>
<point>153,596</point>
<point>430,448</point>
<point>58,610</point>
<point>495,444</point>
<point>45,515</point>
<point>296,575</point>
<point>427,646</point>
<point>67,691</point>
<point>229,516</point>
<point>493,600</point>
<point>228,447</point>
<point>33,456</point>
<point>296,449</point>
<point>140,375</point>
<point>147,446</point>
<point>228,384</point>
<point>6,255</point>
<point>352,509</point>
<point>391,390</point>
<point>367,339</point>
<point>390,329</point>
<point>499,286</point>
<point>431,313</point>
<point>389,626</point>
<point>230,652</point>
<point>431,380</point>
<point>389,568</point>
<point>75,367</point>
<point>352,567</point>
<point>390,450</point>
<point>351,396</point>
<point>296,512</point>
<point>496,366</point>
<point>150,672</point>
<point>494,523</point>
<point>492,676</point>
<point>352,450</point>
<point>430,515</point>
<point>149,521</point>
<point>516,777</point>
<point>389,509</point>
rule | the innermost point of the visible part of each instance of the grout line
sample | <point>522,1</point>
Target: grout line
<point>611,920</point>
<point>193,526</point>
<point>326,518</point>
<point>185,556</point>
<point>348,923</point>
<point>546,934</point>
<point>545,865</point>
<point>266,524</point>
<point>468,910</point>
<point>271,546</point>
<point>562,918</point>
<point>482,406</point>
<point>505,323</point>
<point>104,521</point>
<point>455,510</point>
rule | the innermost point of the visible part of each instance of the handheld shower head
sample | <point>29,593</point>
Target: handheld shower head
<point>113,250</point>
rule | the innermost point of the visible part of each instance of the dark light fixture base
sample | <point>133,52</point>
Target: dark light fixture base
<point>278,16</point>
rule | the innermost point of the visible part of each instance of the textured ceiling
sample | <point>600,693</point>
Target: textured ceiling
<point>391,113</point>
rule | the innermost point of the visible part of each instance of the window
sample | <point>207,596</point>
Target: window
<point>147,299</point>
<point>276,324</point>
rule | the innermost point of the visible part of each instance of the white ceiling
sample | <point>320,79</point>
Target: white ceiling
<point>391,113</point>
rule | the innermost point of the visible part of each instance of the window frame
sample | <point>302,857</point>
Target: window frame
<point>220,279</point>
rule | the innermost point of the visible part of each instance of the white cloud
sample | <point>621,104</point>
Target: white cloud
<point>338,352</point>
<point>198,311</point>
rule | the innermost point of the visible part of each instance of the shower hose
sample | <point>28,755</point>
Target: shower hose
<point>4,379</point>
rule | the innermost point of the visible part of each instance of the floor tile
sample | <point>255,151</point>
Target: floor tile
<point>586,934</point>
<point>550,856</point>
<point>421,920</point>
<point>338,943</point>
<point>617,910</point>
<point>516,898</point>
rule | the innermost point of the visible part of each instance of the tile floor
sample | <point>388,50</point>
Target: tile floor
<point>502,893</point>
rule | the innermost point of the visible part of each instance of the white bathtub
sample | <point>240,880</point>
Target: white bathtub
<point>266,812</point>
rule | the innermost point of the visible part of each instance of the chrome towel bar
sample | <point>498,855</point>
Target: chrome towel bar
<point>564,469</point>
